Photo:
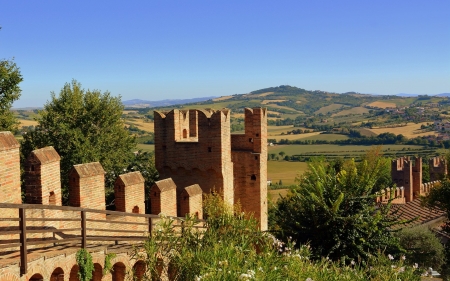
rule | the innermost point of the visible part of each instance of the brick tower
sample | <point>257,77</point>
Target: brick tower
<point>417,177</point>
<point>193,147</point>
<point>249,156</point>
<point>438,168</point>
<point>402,176</point>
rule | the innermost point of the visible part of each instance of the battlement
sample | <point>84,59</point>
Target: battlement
<point>196,147</point>
<point>438,168</point>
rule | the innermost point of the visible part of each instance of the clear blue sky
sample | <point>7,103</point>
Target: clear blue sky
<point>161,49</point>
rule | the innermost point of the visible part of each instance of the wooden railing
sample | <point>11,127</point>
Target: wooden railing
<point>89,221</point>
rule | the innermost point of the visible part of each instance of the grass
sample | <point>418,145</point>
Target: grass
<point>328,108</point>
<point>408,130</point>
<point>24,122</point>
<point>382,104</point>
<point>335,149</point>
<point>285,171</point>
<point>141,124</point>
<point>328,137</point>
<point>277,130</point>
<point>271,101</point>
<point>354,110</point>
<point>294,137</point>
<point>274,195</point>
<point>146,147</point>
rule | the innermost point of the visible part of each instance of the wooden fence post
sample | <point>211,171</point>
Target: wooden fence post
<point>83,229</point>
<point>23,242</point>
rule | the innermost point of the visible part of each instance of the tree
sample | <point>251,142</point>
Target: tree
<point>336,211</point>
<point>10,78</point>
<point>422,247</point>
<point>83,126</point>
<point>281,153</point>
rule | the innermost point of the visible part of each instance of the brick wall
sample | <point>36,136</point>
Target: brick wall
<point>9,169</point>
<point>129,193</point>
<point>42,177</point>
<point>190,201</point>
<point>401,172</point>
<point>417,177</point>
<point>163,198</point>
<point>438,168</point>
<point>87,187</point>
<point>249,156</point>
<point>201,156</point>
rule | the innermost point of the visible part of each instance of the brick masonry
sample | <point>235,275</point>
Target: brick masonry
<point>196,147</point>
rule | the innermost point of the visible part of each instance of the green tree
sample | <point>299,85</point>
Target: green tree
<point>336,211</point>
<point>281,153</point>
<point>83,126</point>
<point>10,78</point>
<point>422,247</point>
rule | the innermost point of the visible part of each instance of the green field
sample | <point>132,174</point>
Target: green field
<point>285,171</point>
<point>328,137</point>
<point>146,147</point>
<point>334,149</point>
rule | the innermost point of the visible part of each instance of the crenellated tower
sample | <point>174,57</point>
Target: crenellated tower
<point>438,168</point>
<point>249,156</point>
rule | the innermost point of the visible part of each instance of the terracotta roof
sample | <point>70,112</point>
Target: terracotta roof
<point>45,155</point>
<point>193,190</point>
<point>88,170</point>
<point>8,141</point>
<point>414,209</point>
<point>131,178</point>
<point>165,185</point>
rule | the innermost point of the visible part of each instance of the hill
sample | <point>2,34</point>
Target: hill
<point>137,103</point>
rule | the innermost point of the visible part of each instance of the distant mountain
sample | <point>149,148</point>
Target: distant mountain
<point>406,95</point>
<point>443,95</point>
<point>168,102</point>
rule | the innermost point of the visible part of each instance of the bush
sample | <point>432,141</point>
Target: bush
<point>232,248</point>
<point>422,247</point>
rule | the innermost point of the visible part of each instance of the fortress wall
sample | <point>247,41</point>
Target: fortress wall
<point>191,201</point>
<point>417,177</point>
<point>190,160</point>
<point>401,172</point>
<point>438,168</point>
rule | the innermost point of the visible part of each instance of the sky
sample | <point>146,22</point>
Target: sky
<point>167,49</point>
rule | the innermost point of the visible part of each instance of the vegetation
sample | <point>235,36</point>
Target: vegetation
<point>10,78</point>
<point>334,210</point>
<point>85,265</point>
<point>83,126</point>
<point>422,247</point>
<point>232,248</point>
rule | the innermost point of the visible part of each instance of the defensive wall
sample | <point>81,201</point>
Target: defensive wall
<point>196,147</point>
<point>43,223</point>
<point>406,173</point>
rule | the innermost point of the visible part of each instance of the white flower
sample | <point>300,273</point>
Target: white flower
<point>401,269</point>
<point>390,257</point>
<point>403,257</point>
<point>415,266</point>
<point>309,279</point>
<point>352,262</point>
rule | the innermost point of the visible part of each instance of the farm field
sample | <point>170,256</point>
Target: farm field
<point>285,171</point>
<point>274,195</point>
<point>276,130</point>
<point>145,147</point>
<point>382,104</point>
<point>328,137</point>
<point>328,108</point>
<point>294,137</point>
<point>24,122</point>
<point>355,110</point>
<point>407,131</point>
<point>141,124</point>
<point>335,149</point>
